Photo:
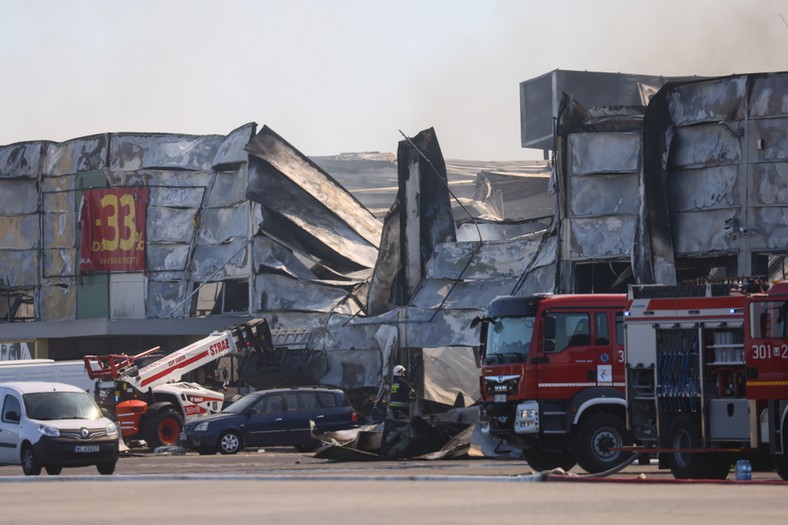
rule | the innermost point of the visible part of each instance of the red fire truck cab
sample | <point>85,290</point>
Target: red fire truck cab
<point>552,381</point>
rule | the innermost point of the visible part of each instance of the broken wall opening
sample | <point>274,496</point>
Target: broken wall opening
<point>17,305</point>
<point>602,277</point>
<point>773,266</point>
<point>228,296</point>
<point>715,268</point>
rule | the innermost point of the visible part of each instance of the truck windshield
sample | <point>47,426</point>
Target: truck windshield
<point>768,319</point>
<point>60,405</point>
<point>508,339</point>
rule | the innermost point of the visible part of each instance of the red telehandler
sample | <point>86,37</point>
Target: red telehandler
<point>150,401</point>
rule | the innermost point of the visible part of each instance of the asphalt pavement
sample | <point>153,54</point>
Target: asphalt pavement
<point>275,486</point>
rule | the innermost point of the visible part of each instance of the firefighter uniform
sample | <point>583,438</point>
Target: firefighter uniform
<point>401,395</point>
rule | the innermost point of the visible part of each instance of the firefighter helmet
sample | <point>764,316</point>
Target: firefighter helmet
<point>399,370</point>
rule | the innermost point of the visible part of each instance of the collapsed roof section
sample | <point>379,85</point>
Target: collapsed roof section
<point>516,193</point>
<point>305,209</point>
<point>426,287</point>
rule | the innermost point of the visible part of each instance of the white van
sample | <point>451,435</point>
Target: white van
<point>69,372</point>
<point>54,425</point>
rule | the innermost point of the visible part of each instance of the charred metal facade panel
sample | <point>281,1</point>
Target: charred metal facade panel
<point>727,172</point>
<point>599,161</point>
<point>197,217</point>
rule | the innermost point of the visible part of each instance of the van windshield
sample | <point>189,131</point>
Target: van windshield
<point>47,406</point>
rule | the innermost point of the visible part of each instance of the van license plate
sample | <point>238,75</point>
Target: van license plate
<point>499,398</point>
<point>86,448</point>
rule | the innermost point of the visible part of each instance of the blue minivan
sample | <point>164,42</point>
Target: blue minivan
<point>276,417</point>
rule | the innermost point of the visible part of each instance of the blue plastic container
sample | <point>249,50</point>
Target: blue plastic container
<point>743,470</point>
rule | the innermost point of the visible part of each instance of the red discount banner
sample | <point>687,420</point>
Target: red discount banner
<point>113,230</point>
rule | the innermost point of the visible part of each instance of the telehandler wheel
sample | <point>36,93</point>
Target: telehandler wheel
<point>163,428</point>
<point>541,460</point>
<point>684,433</point>
<point>598,434</point>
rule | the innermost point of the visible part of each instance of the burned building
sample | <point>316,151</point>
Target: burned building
<point>218,229</point>
<point>650,180</point>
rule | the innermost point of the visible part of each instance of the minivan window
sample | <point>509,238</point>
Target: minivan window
<point>270,403</point>
<point>60,405</point>
<point>301,401</point>
<point>327,399</point>
<point>11,404</point>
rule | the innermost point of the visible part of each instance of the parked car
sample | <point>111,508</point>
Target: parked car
<point>275,417</point>
<point>54,425</point>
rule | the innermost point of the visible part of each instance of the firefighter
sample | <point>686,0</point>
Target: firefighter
<point>401,394</point>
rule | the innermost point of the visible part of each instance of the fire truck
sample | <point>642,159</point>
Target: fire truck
<point>552,381</point>
<point>707,375</point>
<point>148,398</point>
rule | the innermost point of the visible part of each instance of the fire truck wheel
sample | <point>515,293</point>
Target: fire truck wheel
<point>541,460</point>
<point>599,434</point>
<point>230,442</point>
<point>781,460</point>
<point>163,428</point>
<point>781,466</point>
<point>717,466</point>
<point>684,433</point>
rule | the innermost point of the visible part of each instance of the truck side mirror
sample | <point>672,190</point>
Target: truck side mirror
<point>478,320</point>
<point>548,327</point>
<point>12,416</point>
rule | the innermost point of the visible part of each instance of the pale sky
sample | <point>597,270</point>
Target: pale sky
<point>337,76</point>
